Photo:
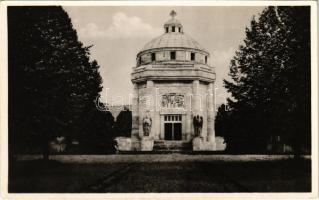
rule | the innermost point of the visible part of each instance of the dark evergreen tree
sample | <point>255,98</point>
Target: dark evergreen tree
<point>123,124</point>
<point>52,82</point>
<point>295,31</point>
<point>98,134</point>
<point>270,83</point>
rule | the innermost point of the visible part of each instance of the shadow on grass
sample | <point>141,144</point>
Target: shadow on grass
<point>39,176</point>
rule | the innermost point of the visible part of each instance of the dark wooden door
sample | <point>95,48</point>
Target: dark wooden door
<point>173,131</point>
<point>168,131</point>
<point>177,131</point>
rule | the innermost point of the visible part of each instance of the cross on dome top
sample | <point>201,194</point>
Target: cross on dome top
<point>173,25</point>
<point>173,13</point>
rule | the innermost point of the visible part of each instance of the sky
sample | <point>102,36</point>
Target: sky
<point>118,33</point>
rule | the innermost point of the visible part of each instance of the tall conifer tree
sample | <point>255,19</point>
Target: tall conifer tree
<point>52,82</point>
<point>270,83</point>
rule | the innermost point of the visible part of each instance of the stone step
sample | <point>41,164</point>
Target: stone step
<point>166,145</point>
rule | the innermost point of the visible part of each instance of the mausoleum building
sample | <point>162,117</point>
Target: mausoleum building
<point>173,100</point>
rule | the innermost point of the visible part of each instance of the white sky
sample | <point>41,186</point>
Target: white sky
<point>118,33</point>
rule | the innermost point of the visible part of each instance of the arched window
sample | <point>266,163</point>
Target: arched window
<point>166,29</point>
<point>179,29</point>
<point>205,59</point>
<point>173,28</point>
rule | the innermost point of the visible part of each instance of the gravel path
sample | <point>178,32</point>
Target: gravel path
<point>150,158</point>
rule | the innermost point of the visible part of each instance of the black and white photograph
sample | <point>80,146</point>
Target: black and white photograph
<point>159,99</point>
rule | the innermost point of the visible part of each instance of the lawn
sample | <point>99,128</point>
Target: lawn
<point>161,176</point>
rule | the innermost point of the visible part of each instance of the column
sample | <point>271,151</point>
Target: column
<point>135,119</point>
<point>195,104</point>
<point>210,114</point>
<point>162,136</point>
<point>195,98</point>
<point>135,113</point>
<point>151,107</point>
<point>155,113</point>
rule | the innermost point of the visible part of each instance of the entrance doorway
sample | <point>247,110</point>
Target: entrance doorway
<point>173,127</point>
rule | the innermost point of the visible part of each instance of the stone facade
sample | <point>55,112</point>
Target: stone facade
<point>173,83</point>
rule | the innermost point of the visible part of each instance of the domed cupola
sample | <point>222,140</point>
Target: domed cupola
<point>173,46</point>
<point>172,50</point>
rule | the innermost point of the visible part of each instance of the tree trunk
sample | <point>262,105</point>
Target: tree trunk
<point>45,148</point>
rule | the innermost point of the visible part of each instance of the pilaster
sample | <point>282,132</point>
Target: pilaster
<point>135,118</point>
<point>210,114</point>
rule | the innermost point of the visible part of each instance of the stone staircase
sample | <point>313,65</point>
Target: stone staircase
<point>166,145</point>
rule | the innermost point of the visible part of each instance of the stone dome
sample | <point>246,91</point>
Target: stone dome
<point>173,40</point>
<point>172,46</point>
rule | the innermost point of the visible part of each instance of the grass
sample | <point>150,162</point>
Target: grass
<point>37,176</point>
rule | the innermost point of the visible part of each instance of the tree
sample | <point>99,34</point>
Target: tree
<point>123,125</point>
<point>52,82</point>
<point>296,37</point>
<point>270,79</point>
<point>98,133</point>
